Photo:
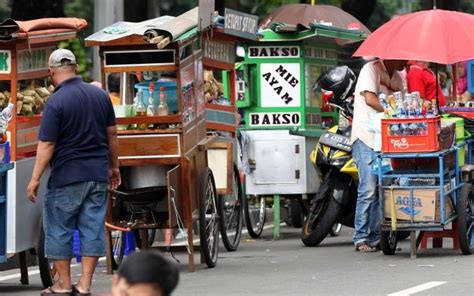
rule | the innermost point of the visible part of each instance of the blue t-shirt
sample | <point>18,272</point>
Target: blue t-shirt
<point>76,118</point>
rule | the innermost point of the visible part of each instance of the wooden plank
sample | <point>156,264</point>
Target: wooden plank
<point>148,146</point>
<point>149,161</point>
<point>149,131</point>
<point>230,109</point>
<point>150,119</point>
<point>221,127</point>
<point>27,136</point>
<point>33,74</point>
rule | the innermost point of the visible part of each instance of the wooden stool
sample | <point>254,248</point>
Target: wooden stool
<point>439,235</point>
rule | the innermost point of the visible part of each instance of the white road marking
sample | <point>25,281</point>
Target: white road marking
<point>417,289</point>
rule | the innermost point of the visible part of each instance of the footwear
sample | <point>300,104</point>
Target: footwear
<point>79,293</point>
<point>51,291</point>
<point>364,247</point>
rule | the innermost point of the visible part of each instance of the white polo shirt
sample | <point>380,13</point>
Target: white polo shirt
<point>373,77</point>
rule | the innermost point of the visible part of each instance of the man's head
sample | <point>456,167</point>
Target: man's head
<point>394,65</point>
<point>62,65</point>
<point>145,273</point>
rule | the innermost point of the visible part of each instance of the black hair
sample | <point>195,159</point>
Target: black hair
<point>150,267</point>
<point>113,82</point>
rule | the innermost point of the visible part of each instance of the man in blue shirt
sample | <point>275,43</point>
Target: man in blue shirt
<point>78,139</point>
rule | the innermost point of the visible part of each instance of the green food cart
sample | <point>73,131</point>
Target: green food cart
<point>283,115</point>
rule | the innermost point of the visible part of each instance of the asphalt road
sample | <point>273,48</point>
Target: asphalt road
<point>286,267</point>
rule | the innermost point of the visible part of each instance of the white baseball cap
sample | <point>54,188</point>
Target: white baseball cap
<point>61,57</point>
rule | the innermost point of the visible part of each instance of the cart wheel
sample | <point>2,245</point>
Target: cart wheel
<point>230,213</point>
<point>48,272</point>
<point>336,229</point>
<point>296,217</point>
<point>118,247</point>
<point>465,212</point>
<point>388,242</point>
<point>208,224</point>
<point>151,234</point>
<point>254,213</point>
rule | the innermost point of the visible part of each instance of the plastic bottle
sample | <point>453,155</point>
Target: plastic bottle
<point>434,106</point>
<point>163,108</point>
<point>151,109</point>
<point>5,117</point>
<point>140,109</point>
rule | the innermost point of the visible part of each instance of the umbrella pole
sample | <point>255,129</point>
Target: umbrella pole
<point>437,88</point>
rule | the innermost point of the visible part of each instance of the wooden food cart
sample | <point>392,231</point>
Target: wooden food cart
<point>25,47</point>
<point>172,148</point>
<point>219,57</point>
<point>280,70</point>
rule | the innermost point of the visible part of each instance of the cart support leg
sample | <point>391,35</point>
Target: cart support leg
<point>276,217</point>
<point>413,245</point>
<point>23,269</point>
<point>108,252</point>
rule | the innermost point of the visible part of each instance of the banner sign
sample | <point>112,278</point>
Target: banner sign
<point>275,119</point>
<point>240,24</point>
<point>219,51</point>
<point>273,52</point>
<point>280,85</point>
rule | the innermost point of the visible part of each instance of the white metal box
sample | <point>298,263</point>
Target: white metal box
<point>280,163</point>
<point>23,216</point>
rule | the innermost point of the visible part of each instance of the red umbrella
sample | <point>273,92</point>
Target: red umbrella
<point>439,36</point>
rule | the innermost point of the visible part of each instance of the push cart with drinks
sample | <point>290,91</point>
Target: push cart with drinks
<point>167,182</point>
<point>425,191</point>
<point>25,86</point>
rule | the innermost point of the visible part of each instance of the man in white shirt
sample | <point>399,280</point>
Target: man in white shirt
<point>376,76</point>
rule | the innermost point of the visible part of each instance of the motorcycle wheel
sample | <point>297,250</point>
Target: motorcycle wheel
<point>320,220</point>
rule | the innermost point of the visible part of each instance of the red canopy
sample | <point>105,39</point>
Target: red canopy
<point>440,36</point>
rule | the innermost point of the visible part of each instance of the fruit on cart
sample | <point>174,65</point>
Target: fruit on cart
<point>31,100</point>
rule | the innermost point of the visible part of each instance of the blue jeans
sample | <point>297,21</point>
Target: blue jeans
<point>367,215</point>
<point>79,206</point>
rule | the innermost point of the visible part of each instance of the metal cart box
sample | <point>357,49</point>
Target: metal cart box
<point>280,164</point>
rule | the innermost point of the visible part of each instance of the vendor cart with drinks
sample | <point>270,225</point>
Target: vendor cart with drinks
<point>164,154</point>
<point>25,47</point>
<point>279,71</point>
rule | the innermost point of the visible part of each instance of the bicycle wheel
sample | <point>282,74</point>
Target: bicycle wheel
<point>208,224</point>
<point>255,214</point>
<point>118,247</point>
<point>230,212</point>
<point>48,273</point>
<point>138,234</point>
<point>465,212</point>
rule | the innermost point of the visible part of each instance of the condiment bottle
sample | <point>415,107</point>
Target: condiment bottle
<point>163,108</point>
<point>140,109</point>
<point>151,109</point>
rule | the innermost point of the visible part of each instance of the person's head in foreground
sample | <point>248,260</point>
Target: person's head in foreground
<point>145,273</point>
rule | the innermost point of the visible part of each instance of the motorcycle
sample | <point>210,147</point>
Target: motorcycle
<point>336,200</point>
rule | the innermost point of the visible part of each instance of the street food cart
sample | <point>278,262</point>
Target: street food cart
<point>25,47</point>
<point>174,187</point>
<point>280,70</point>
<point>219,57</point>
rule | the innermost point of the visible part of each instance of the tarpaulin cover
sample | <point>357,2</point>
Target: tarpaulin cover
<point>11,28</point>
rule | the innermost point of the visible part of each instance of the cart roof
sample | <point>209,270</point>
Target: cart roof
<point>41,30</point>
<point>288,32</point>
<point>121,33</point>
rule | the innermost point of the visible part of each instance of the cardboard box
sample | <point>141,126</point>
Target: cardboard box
<point>426,205</point>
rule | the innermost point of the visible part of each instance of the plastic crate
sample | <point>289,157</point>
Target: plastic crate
<point>3,210</point>
<point>407,135</point>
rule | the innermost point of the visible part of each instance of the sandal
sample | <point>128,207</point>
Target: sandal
<point>79,293</point>
<point>364,247</point>
<point>51,291</point>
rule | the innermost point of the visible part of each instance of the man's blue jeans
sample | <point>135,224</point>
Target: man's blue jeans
<point>367,221</point>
